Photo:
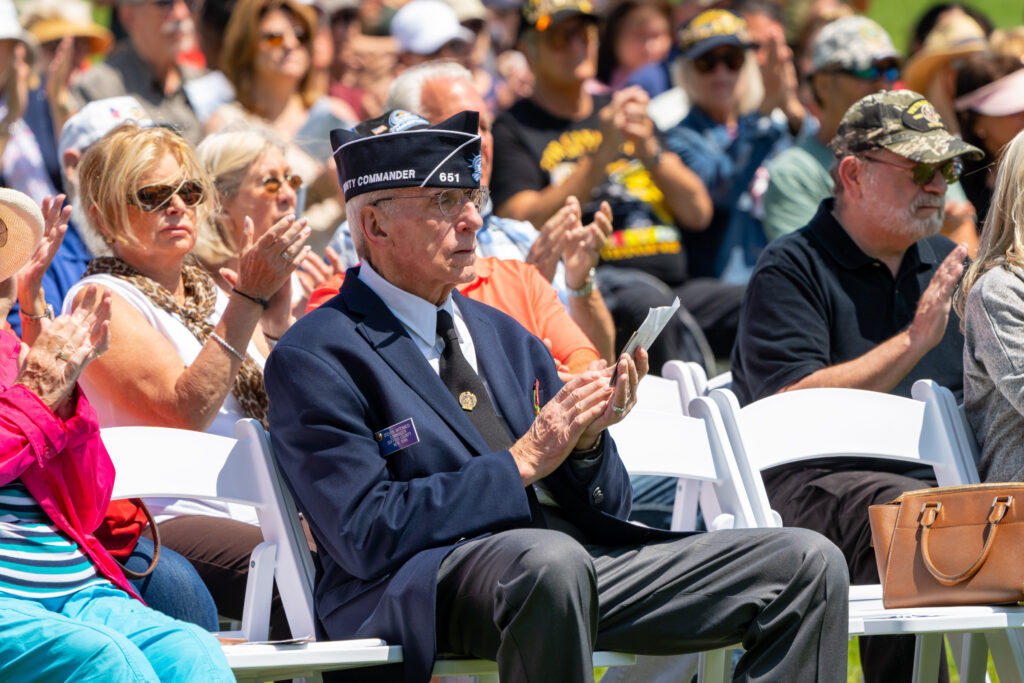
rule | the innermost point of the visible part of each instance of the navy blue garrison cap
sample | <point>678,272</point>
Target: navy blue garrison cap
<point>400,149</point>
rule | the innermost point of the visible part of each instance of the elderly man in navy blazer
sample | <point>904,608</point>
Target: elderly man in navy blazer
<point>463,500</point>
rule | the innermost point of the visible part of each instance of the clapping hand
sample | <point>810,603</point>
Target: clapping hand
<point>546,250</point>
<point>267,263</point>
<point>30,277</point>
<point>583,245</point>
<point>50,367</point>
<point>576,416</point>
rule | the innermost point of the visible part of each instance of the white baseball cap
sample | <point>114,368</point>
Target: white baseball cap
<point>21,228</point>
<point>425,26</point>
<point>98,118</point>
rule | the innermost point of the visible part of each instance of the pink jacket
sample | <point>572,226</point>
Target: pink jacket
<point>63,464</point>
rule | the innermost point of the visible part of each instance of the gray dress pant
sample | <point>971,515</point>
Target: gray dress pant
<point>539,602</point>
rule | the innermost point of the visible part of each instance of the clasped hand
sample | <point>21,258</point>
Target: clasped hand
<point>51,366</point>
<point>574,419</point>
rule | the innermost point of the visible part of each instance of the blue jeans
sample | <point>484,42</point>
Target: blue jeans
<point>102,634</point>
<point>174,587</point>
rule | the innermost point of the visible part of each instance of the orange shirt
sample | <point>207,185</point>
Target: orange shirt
<point>515,288</point>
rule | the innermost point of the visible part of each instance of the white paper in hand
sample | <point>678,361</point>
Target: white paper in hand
<point>652,326</point>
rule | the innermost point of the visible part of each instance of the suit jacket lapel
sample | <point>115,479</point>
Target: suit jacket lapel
<point>388,337</point>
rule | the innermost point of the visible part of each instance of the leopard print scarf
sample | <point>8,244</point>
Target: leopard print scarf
<point>200,296</point>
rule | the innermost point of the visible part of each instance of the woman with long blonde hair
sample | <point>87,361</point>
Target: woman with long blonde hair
<point>990,303</point>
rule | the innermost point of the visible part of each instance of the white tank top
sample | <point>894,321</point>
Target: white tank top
<point>188,348</point>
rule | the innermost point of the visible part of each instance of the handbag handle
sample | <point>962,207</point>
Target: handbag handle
<point>930,512</point>
<point>156,545</point>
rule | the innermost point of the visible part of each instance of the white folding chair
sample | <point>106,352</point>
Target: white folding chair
<point>155,462</point>
<point>840,423</point>
<point>660,438</point>
<point>692,383</point>
<point>298,599</point>
<point>946,428</point>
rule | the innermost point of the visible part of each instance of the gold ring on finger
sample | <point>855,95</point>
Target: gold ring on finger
<point>63,356</point>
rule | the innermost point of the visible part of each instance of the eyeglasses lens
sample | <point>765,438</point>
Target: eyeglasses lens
<point>272,184</point>
<point>950,170</point>
<point>450,201</point>
<point>888,70</point>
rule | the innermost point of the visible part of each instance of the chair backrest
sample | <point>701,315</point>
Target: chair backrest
<point>693,381</point>
<point>161,462</point>
<point>659,438</point>
<point>947,428</point>
<point>829,423</point>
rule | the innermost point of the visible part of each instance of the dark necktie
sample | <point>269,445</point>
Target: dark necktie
<point>468,389</point>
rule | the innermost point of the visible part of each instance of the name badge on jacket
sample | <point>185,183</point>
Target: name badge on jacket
<point>397,436</point>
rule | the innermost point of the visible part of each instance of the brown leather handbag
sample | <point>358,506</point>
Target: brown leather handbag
<point>954,545</point>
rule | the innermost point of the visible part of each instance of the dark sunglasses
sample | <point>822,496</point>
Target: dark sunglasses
<point>923,173</point>
<point>276,38</point>
<point>887,70</point>
<point>272,184</point>
<point>733,60</point>
<point>155,197</point>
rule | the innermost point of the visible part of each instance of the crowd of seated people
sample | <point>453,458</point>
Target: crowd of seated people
<point>175,200</point>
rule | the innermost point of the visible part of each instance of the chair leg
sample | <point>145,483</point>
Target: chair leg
<point>970,652</point>
<point>926,658</point>
<point>714,666</point>
<point>1007,648</point>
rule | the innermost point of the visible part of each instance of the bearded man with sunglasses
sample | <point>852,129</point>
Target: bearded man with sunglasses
<point>852,57</point>
<point>860,298</point>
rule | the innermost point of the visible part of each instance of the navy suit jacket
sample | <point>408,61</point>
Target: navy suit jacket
<point>384,523</point>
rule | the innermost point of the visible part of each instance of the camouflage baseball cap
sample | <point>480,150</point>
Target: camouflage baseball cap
<point>903,122</point>
<point>852,42</point>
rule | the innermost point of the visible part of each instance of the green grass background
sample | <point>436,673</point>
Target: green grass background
<point>899,16</point>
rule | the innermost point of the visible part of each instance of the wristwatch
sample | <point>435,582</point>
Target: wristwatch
<point>585,290</point>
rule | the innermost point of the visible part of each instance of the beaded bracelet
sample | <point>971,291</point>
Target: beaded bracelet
<point>255,299</point>
<point>229,347</point>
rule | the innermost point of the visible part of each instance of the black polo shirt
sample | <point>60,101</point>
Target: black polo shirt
<point>816,300</point>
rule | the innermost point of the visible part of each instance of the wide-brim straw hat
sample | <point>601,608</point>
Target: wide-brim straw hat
<point>100,39</point>
<point>21,228</point>
<point>956,36</point>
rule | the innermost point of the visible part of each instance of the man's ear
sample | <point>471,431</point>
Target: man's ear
<point>370,225</point>
<point>71,159</point>
<point>851,176</point>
